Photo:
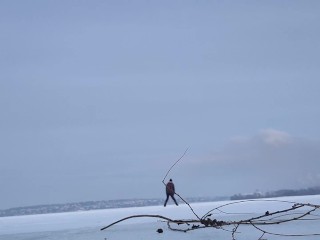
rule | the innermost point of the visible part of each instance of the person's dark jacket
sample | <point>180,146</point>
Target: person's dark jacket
<point>170,188</point>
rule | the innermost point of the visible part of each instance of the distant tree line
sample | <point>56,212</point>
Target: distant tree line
<point>278,193</point>
<point>94,205</point>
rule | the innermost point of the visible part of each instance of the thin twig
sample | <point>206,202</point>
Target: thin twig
<point>174,165</point>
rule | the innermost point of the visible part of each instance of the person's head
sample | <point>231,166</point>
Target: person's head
<point>170,180</point>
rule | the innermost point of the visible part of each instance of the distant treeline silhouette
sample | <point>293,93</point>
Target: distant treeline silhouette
<point>278,193</point>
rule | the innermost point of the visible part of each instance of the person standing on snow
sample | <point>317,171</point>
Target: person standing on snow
<point>170,191</point>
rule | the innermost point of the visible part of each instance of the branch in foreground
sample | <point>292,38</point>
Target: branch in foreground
<point>283,216</point>
<point>150,216</point>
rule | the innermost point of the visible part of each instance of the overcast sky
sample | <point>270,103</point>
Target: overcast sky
<point>99,98</point>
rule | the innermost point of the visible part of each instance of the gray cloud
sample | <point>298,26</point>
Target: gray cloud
<point>270,160</point>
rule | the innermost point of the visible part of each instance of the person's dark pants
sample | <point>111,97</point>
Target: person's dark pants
<point>172,196</point>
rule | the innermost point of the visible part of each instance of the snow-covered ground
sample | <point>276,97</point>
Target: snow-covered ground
<point>86,225</point>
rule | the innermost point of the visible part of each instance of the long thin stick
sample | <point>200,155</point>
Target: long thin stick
<point>177,193</point>
<point>174,165</point>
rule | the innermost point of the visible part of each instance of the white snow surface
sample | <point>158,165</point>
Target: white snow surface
<point>87,224</point>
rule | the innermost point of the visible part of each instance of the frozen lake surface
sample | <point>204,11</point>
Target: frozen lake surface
<point>87,225</point>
